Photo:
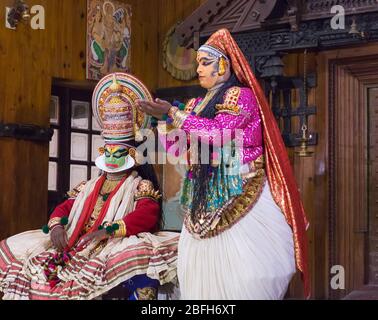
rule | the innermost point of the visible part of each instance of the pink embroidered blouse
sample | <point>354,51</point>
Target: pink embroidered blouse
<point>238,111</point>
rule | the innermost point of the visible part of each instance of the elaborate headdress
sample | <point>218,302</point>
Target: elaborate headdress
<point>218,54</point>
<point>114,108</point>
<point>280,175</point>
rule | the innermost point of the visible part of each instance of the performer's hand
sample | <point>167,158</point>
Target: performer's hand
<point>97,235</point>
<point>155,108</point>
<point>58,237</point>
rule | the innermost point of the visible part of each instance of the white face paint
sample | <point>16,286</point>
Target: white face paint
<point>208,70</point>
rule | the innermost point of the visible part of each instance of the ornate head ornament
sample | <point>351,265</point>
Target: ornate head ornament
<point>115,110</point>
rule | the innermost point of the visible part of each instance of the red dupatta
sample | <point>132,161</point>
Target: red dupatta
<point>89,205</point>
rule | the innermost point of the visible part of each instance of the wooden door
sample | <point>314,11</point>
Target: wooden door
<point>373,185</point>
<point>353,93</point>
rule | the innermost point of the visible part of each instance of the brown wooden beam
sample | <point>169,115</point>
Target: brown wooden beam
<point>25,132</point>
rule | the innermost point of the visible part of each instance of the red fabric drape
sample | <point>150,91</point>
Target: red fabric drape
<point>89,205</point>
<point>88,209</point>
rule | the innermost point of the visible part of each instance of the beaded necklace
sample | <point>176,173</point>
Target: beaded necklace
<point>112,179</point>
<point>209,95</point>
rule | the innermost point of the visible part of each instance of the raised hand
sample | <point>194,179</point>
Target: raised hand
<point>155,108</point>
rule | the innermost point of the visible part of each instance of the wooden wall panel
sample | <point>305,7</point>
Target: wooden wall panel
<point>170,12</point>
<point>144,45</point>
<point>304,170</point>
<point>320,268</point>
<point>29,59</point>
<point>68,39</point>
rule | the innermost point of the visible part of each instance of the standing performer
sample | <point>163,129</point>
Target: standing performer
<point>243,234</point>
<point>103,235</point>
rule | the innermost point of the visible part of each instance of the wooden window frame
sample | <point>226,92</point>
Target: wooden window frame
<point>67,92</point>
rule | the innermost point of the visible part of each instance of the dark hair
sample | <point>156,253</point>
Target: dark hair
<point>201,177</point>
<point>147,172</point>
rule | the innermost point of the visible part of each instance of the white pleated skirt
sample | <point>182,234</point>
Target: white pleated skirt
<point>253,260</point>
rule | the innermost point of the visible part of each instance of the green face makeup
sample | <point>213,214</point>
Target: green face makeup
<point>115,156</point>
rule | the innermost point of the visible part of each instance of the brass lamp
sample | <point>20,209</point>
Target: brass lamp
<point>304,140</point>
<point>303,149</point>
<point>354,29</point>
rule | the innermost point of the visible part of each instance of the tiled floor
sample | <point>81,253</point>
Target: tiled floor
<point>365,293</point>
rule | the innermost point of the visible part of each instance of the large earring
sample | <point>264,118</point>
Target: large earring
<point>133,154</point>
<point>101,150</point>
<point>222,66</point>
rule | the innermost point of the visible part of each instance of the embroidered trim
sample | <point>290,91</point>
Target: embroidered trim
<point>231,109</point>
<point>72,194</point>
<point>179,118</point>
<point>190,105</point>
<point>54,222</point>
<point>122,231</point>
<point>214,223</point>
<point>146,191</point>
<point>232,96</point>
<point>147,293</point>
<point>254,166</point>
<point>101,245</point>
<point>230,103</point>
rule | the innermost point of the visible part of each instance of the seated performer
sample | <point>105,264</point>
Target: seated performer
<point>105,234</point>
<point>244,229</point>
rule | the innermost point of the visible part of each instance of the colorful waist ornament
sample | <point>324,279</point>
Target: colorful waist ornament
<point>233,193</point>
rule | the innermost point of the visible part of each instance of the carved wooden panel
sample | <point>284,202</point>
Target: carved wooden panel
<point>236,15</point>
<point>315,9</point>
<point>248,15</point>
<point>240,16</point>
<point>195,22</point>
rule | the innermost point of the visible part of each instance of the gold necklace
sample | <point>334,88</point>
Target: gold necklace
<point>116,176</point>
<point>107,188</point>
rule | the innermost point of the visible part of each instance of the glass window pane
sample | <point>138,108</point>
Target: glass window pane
<point>53,151</point>
<point>94,172</point>
<point>54,110</point>
<point>53,175</point>
<point>79,146</point>
<point>95,125</point>
<point>97,142</point>
<point>78,174</point>
<point>80,114</point>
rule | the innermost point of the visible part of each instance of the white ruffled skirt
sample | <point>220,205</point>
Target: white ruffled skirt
<point>253,260</point>
<point>86,276</point>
